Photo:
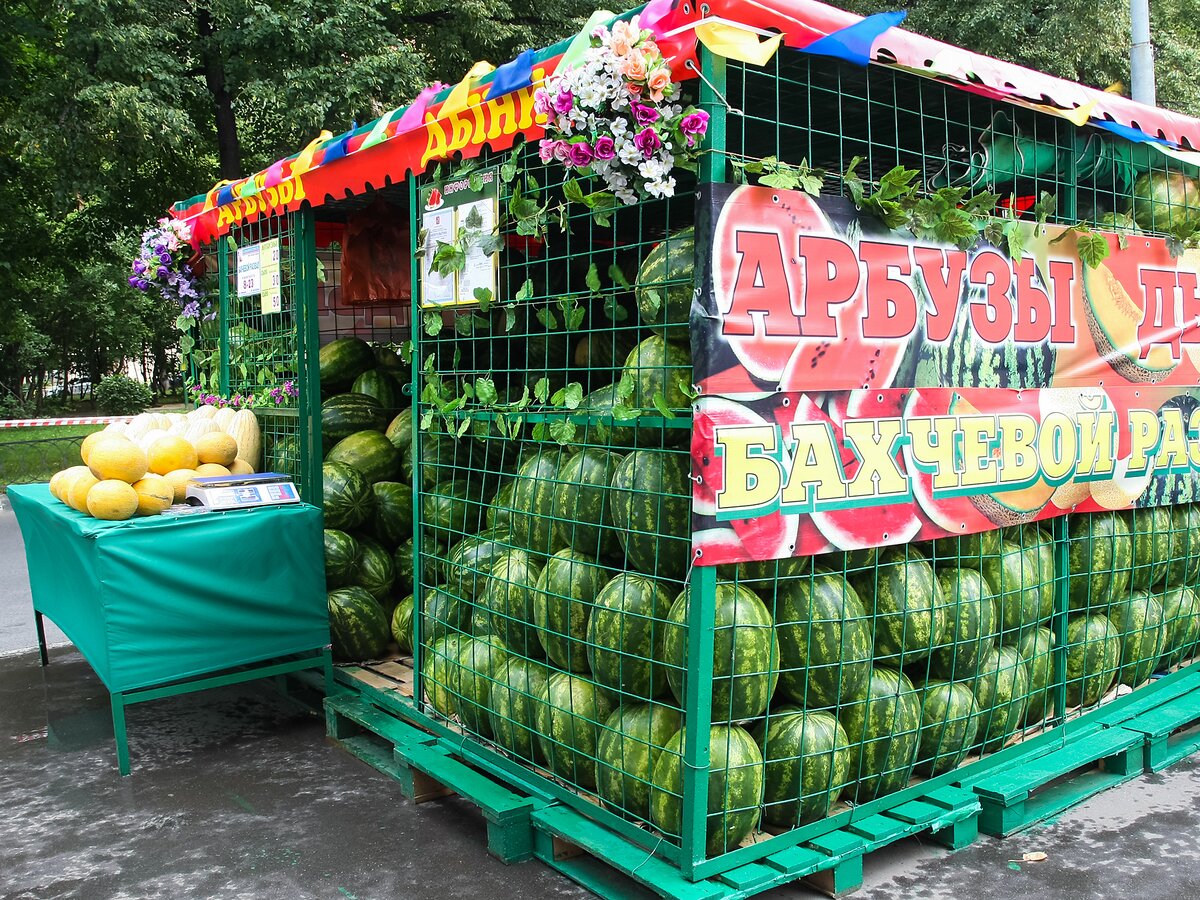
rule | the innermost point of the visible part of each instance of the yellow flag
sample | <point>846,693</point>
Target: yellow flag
<point>1080,115</point>
<point>303,162</point>
<point>457,101</point>
<point>732,42</point>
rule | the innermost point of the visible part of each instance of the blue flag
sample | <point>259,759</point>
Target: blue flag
<point>512,76</point>
<point>853,43</point>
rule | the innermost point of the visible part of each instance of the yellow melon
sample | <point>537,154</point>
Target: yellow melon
<point>78,492</point>
<point>154,494</point>
<point>240,467</point>
<point>211,470</point>
<point>119,459</point>
<point>65,479</point>
<point>94,438</point>
<point>216,447</point>
<point>169,453</point>
<point>178,481</point>
<point>112,499</point>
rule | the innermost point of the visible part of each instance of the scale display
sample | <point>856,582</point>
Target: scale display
<point>241,491</point>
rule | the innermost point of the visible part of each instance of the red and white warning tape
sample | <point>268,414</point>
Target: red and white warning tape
<point>78,420</point>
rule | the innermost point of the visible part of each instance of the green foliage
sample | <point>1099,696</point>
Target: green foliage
<point>120,395</point>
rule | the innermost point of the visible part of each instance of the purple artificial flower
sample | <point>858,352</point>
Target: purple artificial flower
<point>133,281</point>
<point>138,266</point>
<point>564,102</point>
<point>643,114</point>
<point>143,284</point>
<point>546,150</point>
<point>581,154</point>
<point>192,310</point>
<point>164,258</point>
<point>187,270</point>
<point>604,148</point>
<point>195,388</point>
<point>693,127</point>
<point>647,141</point>
<point>163,271</point>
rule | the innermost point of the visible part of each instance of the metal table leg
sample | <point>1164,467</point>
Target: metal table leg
<point>118,714</point>
<point>41,636</point>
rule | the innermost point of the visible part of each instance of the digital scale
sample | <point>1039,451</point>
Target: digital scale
<point>221,492</point>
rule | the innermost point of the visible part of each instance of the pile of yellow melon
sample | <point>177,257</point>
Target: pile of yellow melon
<point>143,466</point>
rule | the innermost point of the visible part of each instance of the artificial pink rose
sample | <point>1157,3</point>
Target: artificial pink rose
<point>647,141</point>
<point>658,81</point>
<point>541,103</point>
<point>694,126</point>
<point>546,150</point>
<point>633,66</point>
<point>581,154</point>
<point>620,46</point>
<point>605,149</point>
<point>643,114</point>
<point>562,153</point>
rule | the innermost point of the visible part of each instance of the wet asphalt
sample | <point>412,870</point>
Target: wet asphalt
<point>236,793</point>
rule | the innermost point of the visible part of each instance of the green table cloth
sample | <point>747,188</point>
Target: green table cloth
<point>162,598</point>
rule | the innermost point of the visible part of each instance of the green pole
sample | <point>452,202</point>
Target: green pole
<point>223,251</point>
<point>1062,582</point>
<point>414,226</point>
<point>308,347</point>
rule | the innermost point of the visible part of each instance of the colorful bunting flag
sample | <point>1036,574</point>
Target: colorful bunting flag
<point>225,194</point>
<point>656,17</point>
<point>853,43</point>
<point>274,174</point>
<point>414,116</point>
<point>461,94</point>
<point>1135,135</point>
<point>248,188</point>
<point>583,41</point>
<point>336,149</point>
<point>737,42</point>
<point>379,133</point>
<point>304,161</point>
<point>513,76</point>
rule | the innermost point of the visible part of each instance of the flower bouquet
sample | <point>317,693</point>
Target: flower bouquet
<point>163,265</point>
<point>617,115</point>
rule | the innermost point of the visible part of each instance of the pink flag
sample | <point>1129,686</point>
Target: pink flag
<point>414,116</point>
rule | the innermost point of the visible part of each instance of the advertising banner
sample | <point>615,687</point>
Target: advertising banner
<point>860,388</point>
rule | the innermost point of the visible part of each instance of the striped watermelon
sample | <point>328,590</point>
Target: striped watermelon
<point>500,513</point>
<point>442,457</point>
<point>1139,620</point>
<point>884,731</point>
<point>582,501</point>
<point>341,558</point>
<point>664,284</point>
<point>348,414</point>
<point>393,515</point>
<point>651,508</point>
<point>452,509</point>
<point>949,724</point>
<point>381,385</point>
<point>662,376</point>
<point>345,495</point>
<point>762,576</point>
<point>608,432</point>
<point>440,672</point>
<point>402,617</point>
<point>1151,530</point>
<point>1184,554</point>
<point>369,452</point>
<point>1181,614</point>
<point>1002,691</point>
<point>735,787</point>
<point>1041,546</point>
<point>1100,558</point>
<point>507,599</point>
<point>533,504</point>
<point>569,719</point>
<point>824,641</point>
<point>562,605</point>
<point>442,614</point>
<point>358,627</point>
<point>342,360</point>
<point>626,634</point>
<point>1036,649</point>
<point>909,612</point>
<point>470,560</point>
<point>1013,576</point>
<point>745,653</point>
<point>516,694</point>
<point>629,746</point>
<point>376,571</point>
<point>400,432</point>
<point>807,764</point>
<point>966,361</point>
<point>1093,656</point>
<point>478,660</point>
<point>967,549</point>
<point>971,624</point>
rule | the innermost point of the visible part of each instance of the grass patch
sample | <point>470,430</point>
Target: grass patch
<point>31,455</point>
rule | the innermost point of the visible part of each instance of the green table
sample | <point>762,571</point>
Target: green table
<point>168,605</point>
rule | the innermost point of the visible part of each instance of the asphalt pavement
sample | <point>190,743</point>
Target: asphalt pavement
<point>236,793</point>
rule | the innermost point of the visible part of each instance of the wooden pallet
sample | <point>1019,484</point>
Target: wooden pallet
<point>1170,731</point>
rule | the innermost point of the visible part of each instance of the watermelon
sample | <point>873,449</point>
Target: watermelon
<point>517,688</point>
<point>341,558</point>
<point>967,548</point>
<point>735,787</point>
<point>443,457</point>
<point>381,385</point>
<point>971,624</point>
<point>651,508</point>
<point>358,627</point>
<point>342,360</point>
<point>906,602</point>
<point>569,719</point>
<point>664,284</point>
<point>478,660</point>
<point>762,576</point>
<point>824,641</point>
<point>442,614</point>
<point>348,414</point>
<point>452,509</point>
<point>533,505</point>
<point>1151,531</point>
<point>949,725</point>
<point>807,764</point>
<point>1013,576</point>
<point>346,496</point>
<point>745,653</point>
<point>1093,655</point>
<point>393,516</point>
<point>1002,691</point>
<point>508,599</point>
<point>1185,546</point>
<point>470,560</point>
<point>608,432</point>
<point>1139,620</point>
<point>376,571</point>
<point>402,559</point>
<point>562,605</point>
<point>1041,546</point>
<point>402,617</point>
<point>389,360</point>
<point>967,361</point>
<point>283,456</point>
<point>884,731</point>
<point>626,634</point>
<point>662,375</point>
<point>440,672</point>
<point>1100,557</point>
<point>581,498</point>
<point>1166,202</point>
<point>369,452</point>
<point>400,431</point>
<point>629,746</point>
<point>1036,649</point>
<point>1181,615</point>
<point>500,513</point>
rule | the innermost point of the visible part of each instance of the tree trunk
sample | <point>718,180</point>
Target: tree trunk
<point>229,151</point>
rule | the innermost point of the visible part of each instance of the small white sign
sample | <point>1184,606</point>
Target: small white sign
<point>249,270</point>
<point>270,282</point>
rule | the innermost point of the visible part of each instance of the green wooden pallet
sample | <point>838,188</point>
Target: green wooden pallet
<point>1170,731</point>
